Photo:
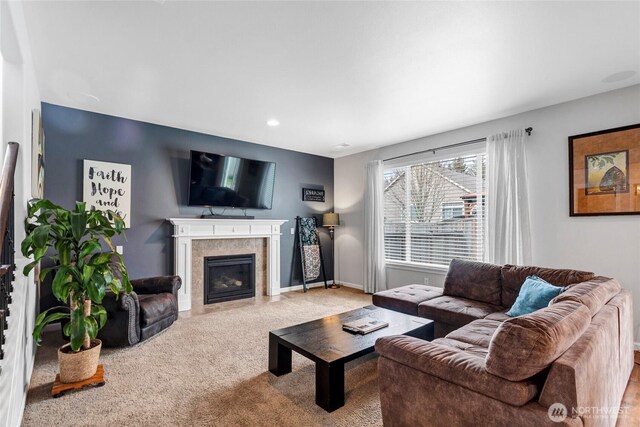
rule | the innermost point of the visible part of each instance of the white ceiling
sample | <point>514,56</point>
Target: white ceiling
<point>367,74</point>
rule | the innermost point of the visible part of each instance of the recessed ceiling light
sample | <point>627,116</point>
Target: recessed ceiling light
<point>342,146</point>
<point>273,123</point>
<point>617,77</point>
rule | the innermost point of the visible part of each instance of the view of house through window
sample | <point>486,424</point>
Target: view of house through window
<point>435,211</point>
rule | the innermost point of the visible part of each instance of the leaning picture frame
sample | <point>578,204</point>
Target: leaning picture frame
<point>604,172</point>
<point>37,155</point>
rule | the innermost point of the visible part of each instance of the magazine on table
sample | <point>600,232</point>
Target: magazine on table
<point>364,325</point>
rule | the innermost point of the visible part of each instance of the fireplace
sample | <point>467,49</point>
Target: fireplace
<point>229,277</point>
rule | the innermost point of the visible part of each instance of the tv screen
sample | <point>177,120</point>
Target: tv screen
<point>226,181</point>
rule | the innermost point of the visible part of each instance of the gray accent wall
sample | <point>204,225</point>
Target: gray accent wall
<point>159,159</point>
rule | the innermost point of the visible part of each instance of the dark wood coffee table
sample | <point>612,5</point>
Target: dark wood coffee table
<point>324,342</point>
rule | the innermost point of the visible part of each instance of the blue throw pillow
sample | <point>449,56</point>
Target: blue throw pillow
<point>535,294</point>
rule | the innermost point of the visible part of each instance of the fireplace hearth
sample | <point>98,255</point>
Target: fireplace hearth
<point>229,277</point>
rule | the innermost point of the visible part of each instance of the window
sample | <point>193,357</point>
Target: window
<point>435,211</point>
<point>452,209</point>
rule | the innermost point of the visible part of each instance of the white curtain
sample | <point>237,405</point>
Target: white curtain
<point>375,278</point>
<point>508,234</point>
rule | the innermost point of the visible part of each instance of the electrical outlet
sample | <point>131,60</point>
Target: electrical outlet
<point>293,230</point>
<point>120,250</point>
<point>426,281</point>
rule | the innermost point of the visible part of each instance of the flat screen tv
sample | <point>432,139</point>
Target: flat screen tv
<point>225,181</point>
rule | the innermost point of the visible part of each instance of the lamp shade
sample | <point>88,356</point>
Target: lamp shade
<point>330,219</point>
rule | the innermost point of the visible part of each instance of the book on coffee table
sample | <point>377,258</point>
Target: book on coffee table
<point>364,325</point>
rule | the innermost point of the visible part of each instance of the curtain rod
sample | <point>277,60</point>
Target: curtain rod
<point>444,147</point>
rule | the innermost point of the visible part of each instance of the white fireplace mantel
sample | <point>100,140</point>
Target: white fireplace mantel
<point>187,229</point>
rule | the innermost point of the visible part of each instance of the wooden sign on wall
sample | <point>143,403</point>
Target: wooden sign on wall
<point>108,186</point>
<point>312,195</point>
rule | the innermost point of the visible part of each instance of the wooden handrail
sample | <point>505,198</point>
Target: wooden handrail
<point>6,187</point>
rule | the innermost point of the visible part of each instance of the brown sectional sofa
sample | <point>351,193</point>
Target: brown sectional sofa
<point>486,368</point>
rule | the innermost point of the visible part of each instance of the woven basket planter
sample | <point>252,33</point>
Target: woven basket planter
<point>75,367</point>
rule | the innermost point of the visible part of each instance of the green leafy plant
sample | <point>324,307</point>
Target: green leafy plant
<point>83,271</point>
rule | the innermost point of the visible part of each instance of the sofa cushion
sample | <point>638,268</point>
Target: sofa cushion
<point>513,276</point>
<point>500,316</point>
<point>479,332</point>
<point>474,280</point>
<point>535,294</point>
<point>523,346</point>
<point>594,293</point>
<point>406,298</point>
<point>455,310</point>
<point>464,346</point>
<point>155,307</point>
<point>455,366</point>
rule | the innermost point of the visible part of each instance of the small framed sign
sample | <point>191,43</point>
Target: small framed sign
<point>312,195</point>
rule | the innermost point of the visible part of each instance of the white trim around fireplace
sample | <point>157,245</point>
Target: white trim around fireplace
<point>185,230</point>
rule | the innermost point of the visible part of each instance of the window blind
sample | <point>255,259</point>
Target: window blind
<point>435,211</point>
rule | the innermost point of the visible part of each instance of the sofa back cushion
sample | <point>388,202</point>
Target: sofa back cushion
<point>513,276</point>
<point>473,280</point>
<point>524,346</point>
<point>594,293</point>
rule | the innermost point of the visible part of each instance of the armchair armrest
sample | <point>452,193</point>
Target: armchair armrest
<point>157,285</point>
<point>455,366</point>
<point>124,302</point>
<point>123,319</point>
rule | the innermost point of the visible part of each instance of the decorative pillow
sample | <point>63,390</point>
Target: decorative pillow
<point>535,294</point>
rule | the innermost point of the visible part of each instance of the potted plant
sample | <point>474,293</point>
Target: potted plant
<point>82,273</point>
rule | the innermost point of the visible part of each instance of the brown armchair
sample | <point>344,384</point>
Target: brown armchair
<point>149,309</point>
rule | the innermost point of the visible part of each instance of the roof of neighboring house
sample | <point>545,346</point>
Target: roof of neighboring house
<point>452,176</point>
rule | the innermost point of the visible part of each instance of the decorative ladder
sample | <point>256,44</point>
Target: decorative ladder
<point>299,241</point>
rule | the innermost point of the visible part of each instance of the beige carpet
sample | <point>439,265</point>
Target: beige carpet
<point>210,369</point>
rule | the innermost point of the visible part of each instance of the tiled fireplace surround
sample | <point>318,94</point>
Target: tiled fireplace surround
<point>216,247</point>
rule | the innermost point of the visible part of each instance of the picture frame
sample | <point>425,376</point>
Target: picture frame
<point>107,185</point>
<point>604,172</point>
<point>312,195</point>
<point>37,155</point>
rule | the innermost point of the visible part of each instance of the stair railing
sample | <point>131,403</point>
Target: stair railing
<point>7,246</point>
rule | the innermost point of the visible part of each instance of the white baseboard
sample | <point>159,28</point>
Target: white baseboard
<point>318,285</point>
<point>636,346</point>
<point>351,285</point>
<point>299,287</point>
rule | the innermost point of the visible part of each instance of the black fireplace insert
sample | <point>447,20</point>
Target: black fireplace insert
<point>229,277</point>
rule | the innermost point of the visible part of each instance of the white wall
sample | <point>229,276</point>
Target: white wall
<point>18,96</point>
<point>609,246</point>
